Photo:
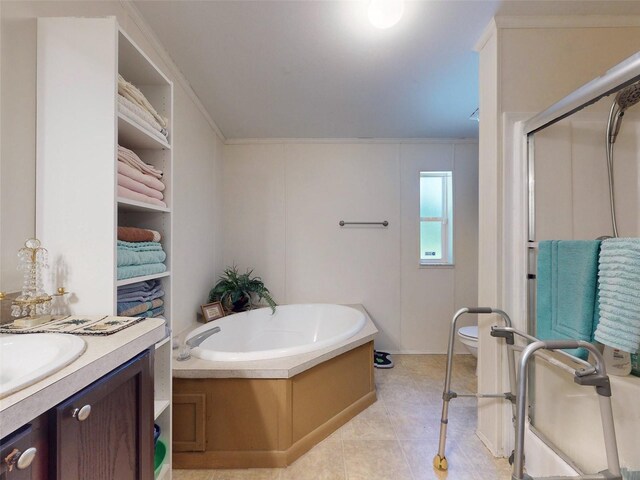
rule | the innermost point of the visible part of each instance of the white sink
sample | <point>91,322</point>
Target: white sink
<point>27,358</point>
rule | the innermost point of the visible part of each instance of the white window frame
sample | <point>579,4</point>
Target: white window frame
<point>446,230</point>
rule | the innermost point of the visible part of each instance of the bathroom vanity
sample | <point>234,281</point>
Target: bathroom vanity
<point>92,419</point>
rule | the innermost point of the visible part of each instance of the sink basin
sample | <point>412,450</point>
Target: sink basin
<point>27,358</point>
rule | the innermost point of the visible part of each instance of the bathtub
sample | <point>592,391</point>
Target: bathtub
<point>267,388</point>
<point>291,330</point>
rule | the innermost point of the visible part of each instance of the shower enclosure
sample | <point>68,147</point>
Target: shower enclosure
<point>578,189</point>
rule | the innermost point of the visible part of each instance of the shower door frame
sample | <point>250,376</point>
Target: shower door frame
<point>616,78</point>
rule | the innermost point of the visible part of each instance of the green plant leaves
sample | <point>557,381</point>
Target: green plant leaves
<point>236,290</point>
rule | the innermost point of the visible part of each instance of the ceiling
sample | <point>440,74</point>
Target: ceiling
<point>318,69</point>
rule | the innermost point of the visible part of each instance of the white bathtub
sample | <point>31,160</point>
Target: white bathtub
<point>292,330</point>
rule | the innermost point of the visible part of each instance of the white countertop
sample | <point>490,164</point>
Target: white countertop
<point>103,354</point>
<point>285,367</point>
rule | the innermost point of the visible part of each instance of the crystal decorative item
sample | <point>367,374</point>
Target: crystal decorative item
<point>33,301</point>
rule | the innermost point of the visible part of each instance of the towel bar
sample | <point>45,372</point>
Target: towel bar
<point>384,223</point>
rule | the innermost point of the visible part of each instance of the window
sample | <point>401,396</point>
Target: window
<point>436,218</point>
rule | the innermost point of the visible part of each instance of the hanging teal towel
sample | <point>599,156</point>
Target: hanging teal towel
<point>619,294</point>
<point>566,291</point>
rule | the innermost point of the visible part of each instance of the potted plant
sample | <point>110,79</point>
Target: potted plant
<point>236,291</point>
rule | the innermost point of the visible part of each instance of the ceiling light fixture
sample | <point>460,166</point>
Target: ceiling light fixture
<point>385,13</point>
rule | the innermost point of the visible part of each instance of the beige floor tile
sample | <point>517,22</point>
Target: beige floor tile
<point>375,459</point>
<point>372,424</point>
<point>323,462</point>
<point>247,474</point>
<point>192,474</point>
<point>414,422</point>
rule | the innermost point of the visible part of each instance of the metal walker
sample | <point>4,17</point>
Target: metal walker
<point>587,375</point>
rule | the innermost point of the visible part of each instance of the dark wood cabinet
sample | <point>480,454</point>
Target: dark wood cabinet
<point>105,432</point>
<point>31,442</point>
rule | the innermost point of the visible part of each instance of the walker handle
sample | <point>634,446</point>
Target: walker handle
<point>480,310</point>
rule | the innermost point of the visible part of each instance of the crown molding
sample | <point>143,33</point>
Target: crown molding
<point>567,21</point>
<point>279,141</point>
<point>137,18</point>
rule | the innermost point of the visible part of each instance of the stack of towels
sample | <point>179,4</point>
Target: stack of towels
<point>140,257</point>
<point>134,105</point>
<point>143,299</point>
<point>138,180</point>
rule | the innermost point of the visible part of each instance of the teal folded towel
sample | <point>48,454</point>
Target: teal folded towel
<point>567,276</point>
<point>129,257</point>
<point>619,294</point>
<point>131,271</point>
<point>140,246</point>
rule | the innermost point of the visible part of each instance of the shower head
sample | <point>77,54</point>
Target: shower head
<point>625,98</point>
<point>628,97</point>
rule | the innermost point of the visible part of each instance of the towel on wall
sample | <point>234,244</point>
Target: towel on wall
<point>567,291</point>
<point>619,294</point>
<point>133,234</point>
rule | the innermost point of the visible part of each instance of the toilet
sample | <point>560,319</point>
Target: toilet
<point>469,337</point>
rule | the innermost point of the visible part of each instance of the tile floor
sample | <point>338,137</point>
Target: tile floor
<point>397,437</point>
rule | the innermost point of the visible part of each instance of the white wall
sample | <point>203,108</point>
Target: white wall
<point>197,242</point>
<point>283,202</point>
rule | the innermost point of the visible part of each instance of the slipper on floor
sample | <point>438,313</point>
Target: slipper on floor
<point>382,360</point>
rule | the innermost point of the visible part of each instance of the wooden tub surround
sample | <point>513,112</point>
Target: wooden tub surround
<point>268,413</point>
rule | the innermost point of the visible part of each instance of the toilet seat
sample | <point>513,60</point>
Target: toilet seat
<point>470,332</point>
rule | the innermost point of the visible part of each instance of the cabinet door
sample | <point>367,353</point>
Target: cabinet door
<point>23,442</point>
<point>105,432</point>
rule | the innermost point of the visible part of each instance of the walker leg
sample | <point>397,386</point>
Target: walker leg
<point>440,460</point>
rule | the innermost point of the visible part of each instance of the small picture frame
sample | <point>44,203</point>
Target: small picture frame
<point>212,311</point>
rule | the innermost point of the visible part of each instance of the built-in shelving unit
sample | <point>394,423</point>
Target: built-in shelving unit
<point>78,208</point>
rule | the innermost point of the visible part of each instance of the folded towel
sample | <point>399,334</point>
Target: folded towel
<point>566,294</point>
<point>133,160</point>
<point>139,197</point>
<point>136,186</point>
<point>619,287</point>
<point>141,119</point>
<point>133,234</point>
<point>156,312</point>
<point>129,257</point>
<point>132,271</point>
<point>140,246</point>
<point>131,92</point>
<point>139,287</point>
<point>143,178</point>
<point>131,309</point>
<point>140,296</point>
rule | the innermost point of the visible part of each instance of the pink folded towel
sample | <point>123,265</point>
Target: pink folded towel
<point>139,197</point>
<point>136,186</point>
<point>133,160</point>
<point>137,175</point>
